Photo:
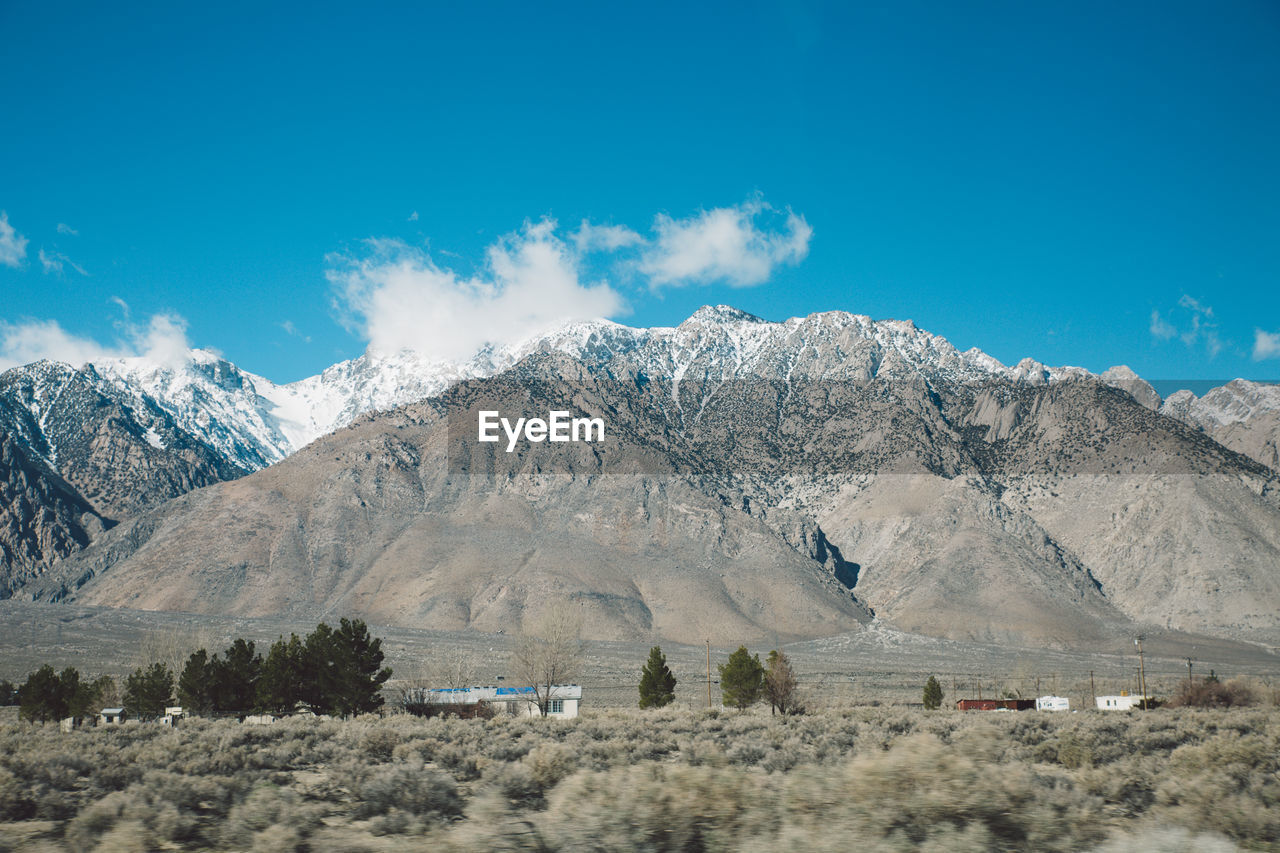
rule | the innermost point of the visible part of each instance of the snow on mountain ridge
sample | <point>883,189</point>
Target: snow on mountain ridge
<point>255,422</point>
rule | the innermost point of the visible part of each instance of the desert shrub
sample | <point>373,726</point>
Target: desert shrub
<point>655,807</point>
<point>460,762</point>
<point>1229,784</point>
<point>891,778</point>
<point>1073,753</point>
<point>97,819</point>
<point>1167,840</point>
<point>747,752</point>
<point>277,838</point>
<point>15,800</point>
<point>921,793</point>
<point>783,758</point>
<point>380,743</point>
<point>1236,693</point>
<point>549,763</point>
<point>128,836</point>
<point>270,817</point>
<point>410,787</point>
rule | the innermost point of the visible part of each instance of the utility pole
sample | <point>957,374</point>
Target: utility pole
<point>1188,673</point>
<point>708,673</point>
<point>1037,686</point>
<point>1093,691</point>
<point>1142,672</point>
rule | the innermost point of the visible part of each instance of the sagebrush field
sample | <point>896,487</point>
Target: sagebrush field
<point>865,779</point>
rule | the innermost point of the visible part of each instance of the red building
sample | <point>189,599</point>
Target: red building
<point>996,705</point>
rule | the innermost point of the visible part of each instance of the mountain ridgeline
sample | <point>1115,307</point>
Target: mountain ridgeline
<point>787,480</point>
<point>794,479</point>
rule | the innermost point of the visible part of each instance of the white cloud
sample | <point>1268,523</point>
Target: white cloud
<point>293,331</point>
<point>13,246</point>
<point>163,340</point>
<point>1265,345</point>
<point>413,217</point>
<point>1192,322</point>
<point>604,238</point>
<point>1161,329</point>
<point>397,297</point>
<point>53,261</point>
<point>64,228</point>
<point>730,244</point>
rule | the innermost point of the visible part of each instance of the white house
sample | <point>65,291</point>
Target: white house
<point>1053,703</point>
<point>110,715</point>
<point>1123,702</point>
<point>514,701</point>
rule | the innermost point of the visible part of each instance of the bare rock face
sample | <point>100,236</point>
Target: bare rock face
<point>379,520</point>
<point>41,516</point>
<point>759,479</point>
<point>731,508</point>
<point>79,458</point>
<point>1241,415</point>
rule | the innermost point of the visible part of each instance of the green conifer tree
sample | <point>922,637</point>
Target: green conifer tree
<point>741,679</point>
<point>148,691</point>
<point>657,684</point>
<point>932,694</point>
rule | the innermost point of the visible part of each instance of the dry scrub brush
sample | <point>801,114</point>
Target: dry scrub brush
<point>660,780</point>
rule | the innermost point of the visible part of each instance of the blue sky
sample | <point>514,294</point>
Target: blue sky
<point>1076,183</point>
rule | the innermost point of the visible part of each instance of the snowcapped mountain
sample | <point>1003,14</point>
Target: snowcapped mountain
<point>1241,415</point>
<point>1027,495</point>
<point>254,422</point>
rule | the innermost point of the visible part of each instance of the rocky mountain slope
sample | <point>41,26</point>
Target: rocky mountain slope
<point>253,422</point>
<point>1241,415</point>
<point>791,477</point>
<point>79,455</point>
<point>781,491</point>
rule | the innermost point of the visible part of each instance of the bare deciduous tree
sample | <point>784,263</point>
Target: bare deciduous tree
<point>548,653</point>
<point>453,669</point>
<point>780,683</point>
<point>172,646</point>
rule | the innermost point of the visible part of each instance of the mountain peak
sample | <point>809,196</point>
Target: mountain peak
<point>722,314</point>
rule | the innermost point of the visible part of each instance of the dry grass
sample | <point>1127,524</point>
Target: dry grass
<point>664,780</point>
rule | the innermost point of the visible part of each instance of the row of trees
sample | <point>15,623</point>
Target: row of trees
<point>744,681</point>
<point>49,695</point>
<point>331,671</point>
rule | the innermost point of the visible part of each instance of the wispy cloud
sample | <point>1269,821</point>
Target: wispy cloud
<point>1160,328</point>
<point>1192,322</point>
<point>64,228</point>
<point>413,217</point>
<point>1265,345</point>
<point>162,340</point>
<point>54,261</point>
<point>292,331</point>
<point>739,246</point>
<point>398,297</point>
<point>604,238</point>
<point>13,246</point>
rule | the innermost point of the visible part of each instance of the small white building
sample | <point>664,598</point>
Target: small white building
<point>172,715</point>
<point>1123,702</point>
<point>563,703</point>
<point>1053,703</point>
<point>110,716</point>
